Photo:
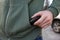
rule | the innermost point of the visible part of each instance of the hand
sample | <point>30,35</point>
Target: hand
<point>45,20</point>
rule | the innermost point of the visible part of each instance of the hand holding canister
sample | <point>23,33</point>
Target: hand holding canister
<point>42,18</point>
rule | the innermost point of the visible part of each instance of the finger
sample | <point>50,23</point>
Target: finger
<point>38,22</point>
<point>46,20</point>
<point>46,26</point>
<point>48,23</point>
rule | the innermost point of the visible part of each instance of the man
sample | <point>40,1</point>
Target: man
<point>15,15</point>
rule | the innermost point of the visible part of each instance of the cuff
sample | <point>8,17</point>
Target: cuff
<point>53,10</point>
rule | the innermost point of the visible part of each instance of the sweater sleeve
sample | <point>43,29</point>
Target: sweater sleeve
<point>54,8</point>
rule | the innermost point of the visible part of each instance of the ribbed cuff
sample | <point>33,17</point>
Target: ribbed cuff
<point>53,10</point>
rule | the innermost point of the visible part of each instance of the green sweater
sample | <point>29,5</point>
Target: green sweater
<point>14,18</point>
